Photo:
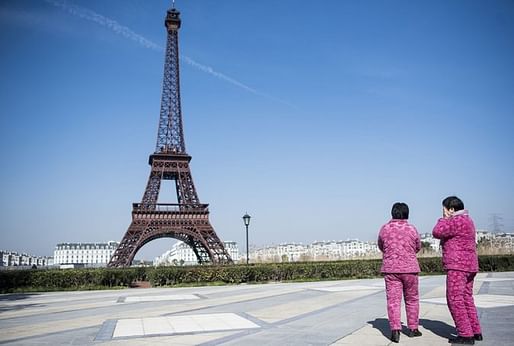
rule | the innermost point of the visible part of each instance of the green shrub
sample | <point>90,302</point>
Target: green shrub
<point>431,265</point>
<point>97,278</point>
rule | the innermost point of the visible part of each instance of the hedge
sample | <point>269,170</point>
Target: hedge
<point>105,278</point>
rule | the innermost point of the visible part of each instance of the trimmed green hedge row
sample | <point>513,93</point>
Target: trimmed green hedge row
<point>101,278</point>
<point>68,279</point>
<point>166,276</point>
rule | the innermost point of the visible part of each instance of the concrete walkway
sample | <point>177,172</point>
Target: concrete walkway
<point>350,312</point>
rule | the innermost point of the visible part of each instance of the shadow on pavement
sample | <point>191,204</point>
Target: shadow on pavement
<point>382,324</point>
<point>16,296</point>
<point>439,328</point>
<point>18,307</point>
<point>9,302</point>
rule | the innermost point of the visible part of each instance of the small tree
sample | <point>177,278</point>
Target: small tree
<point>425,245</point>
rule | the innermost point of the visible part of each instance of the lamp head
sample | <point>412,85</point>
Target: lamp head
<point>246,219</point>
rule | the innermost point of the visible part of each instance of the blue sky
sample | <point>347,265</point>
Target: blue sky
<point>313,117</point>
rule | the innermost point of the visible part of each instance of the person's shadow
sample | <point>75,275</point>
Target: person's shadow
<point>382,324</point>
<point>439,328</point>
<point>442,329</point>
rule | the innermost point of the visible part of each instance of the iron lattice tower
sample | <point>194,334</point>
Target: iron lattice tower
<point>187,220</point>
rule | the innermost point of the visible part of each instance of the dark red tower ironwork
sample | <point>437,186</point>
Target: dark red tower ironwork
<point>187,220</point>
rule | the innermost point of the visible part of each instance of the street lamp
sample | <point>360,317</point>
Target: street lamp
<point>246,219</point>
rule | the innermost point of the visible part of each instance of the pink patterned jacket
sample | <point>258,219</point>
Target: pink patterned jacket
<point>399,241</point>
<point>457,234</point>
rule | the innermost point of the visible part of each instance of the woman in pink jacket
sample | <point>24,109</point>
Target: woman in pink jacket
<point>460,261</point>
<point>399,241</point>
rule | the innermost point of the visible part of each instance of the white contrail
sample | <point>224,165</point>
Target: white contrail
<point>126,32</point>
<point>111,24</point>
<point>211,71</point>
<point>219,75</point>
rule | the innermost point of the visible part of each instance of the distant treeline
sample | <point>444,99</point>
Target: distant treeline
<point>106,278</point>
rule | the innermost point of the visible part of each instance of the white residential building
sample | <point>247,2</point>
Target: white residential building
<point>319,250</point>
<point>504,241</point>
<point>86,254</point>
<point>183,254</point>
<point>292,251</point>
<point>484,235</point>
<point>354,248</point>
<point>15,259</point>
<point>265,254</point>
<point>434,242</point>
<point>232,249</point>
<point>324,250</point>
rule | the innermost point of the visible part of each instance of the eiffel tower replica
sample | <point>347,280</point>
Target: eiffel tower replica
<point>188,220</point>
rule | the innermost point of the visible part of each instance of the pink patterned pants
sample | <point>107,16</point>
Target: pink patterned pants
<point>459,296</point>
<point>396,285</point>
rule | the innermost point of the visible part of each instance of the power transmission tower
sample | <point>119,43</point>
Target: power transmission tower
<point>496,223</point>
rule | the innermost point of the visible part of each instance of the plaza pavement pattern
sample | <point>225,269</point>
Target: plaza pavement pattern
<point>347,312</point>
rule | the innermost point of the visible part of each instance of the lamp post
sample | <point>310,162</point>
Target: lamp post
<point>246,220</point>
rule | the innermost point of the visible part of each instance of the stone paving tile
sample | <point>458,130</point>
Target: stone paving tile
<point>314,313</point>
<point>213,323</point>
<point>180,324</point>
<point>348,288</point>
<point>157,325</point>
<point>184,324</point>
<point>130,327</point>
<point>160,298</point>
<point>357,339</point>
<point>41,308</point>
<point>237,322</point>
<point>293,308</point>
<point>495,279</point>
<point>435,324</point>
<point>175,340</point>
<point>481,300</point>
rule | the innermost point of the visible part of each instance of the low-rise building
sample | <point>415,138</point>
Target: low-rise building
<point>182,254</point>
<point>434,242</point>
<point>504,241</point>
<point>15,259</point>
<point>291,252</point>
<point>84,254</point>
<point>317,251</point>
<point>483,235</point>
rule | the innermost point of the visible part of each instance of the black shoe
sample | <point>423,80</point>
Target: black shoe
<point>395,336</point>
<point>464,340</point>
<point>414,332</point>
<point>478,337</point>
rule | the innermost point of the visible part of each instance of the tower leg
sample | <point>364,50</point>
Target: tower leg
<point>198,234</point>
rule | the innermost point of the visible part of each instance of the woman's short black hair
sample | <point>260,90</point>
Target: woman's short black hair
<point>400,211</point>
<point>454,203</point>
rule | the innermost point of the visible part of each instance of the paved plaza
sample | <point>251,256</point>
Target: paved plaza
<point>349,312</point>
